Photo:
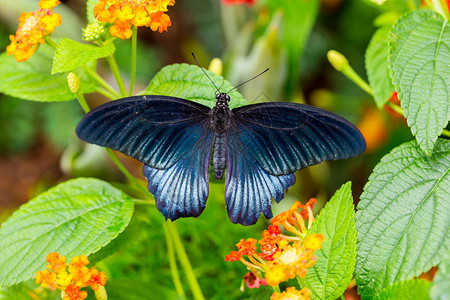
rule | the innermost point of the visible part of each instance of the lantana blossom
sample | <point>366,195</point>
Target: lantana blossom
<point>282,257</point>
<point>33,27</point>
<point>70,278</point>
<point>123,14</point>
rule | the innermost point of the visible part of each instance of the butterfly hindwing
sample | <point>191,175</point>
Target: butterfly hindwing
<point>182,189</point>
<point>156,130</point>
<point>249,189</point>
<point>286,137</point>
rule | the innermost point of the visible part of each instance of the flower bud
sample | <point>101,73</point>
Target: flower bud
<point>73,82</point>
<point>216,66</point>
<point>93,31</point>
<point>337,60</point>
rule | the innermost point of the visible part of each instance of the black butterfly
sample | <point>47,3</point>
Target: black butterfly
<point>260,146</point>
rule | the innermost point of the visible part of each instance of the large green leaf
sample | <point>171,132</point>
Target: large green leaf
<point>76,217</point>
<point>440,289</point>
<point>406,290</point>
<point>333,270</point>
<point>70,55</point>
<point>377,66</point>
<point>402,219</point>
<point>419,51</point>
<point>189,82</point>
<point>31,80</point>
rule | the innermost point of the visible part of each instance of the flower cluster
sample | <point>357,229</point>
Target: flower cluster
<point>33,27</point>
<point>124,14</point>
<point>70,278</point>
<point>282,257</point>
<point>292,293</point>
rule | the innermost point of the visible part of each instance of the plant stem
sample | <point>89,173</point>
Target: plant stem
<point>172,262</point>
<point>396,108</point>
<point>125,171</point>
<point>115,70</point>
<point>353,76</point>
<point>105,93</point>
<point>184,260</point>
<point>446,132</point>
<point>100,80</point>
<point>51,42</point>
<point>342,297</point>
<point>412,5</point>
<point>276,288</point>
<point>133,60</point>
<point>82,101</point>
<point>143,202</point>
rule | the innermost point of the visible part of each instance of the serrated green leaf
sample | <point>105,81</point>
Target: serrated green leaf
<point>70,55</point>
<point>189,82</point>
<point>76,217</point>
<point>90,4</point>
<point>402,219</point>
<point>419,48</point>
<point>333,270</point>
<point>440,288</point>
<point>31,80</point>
<point>377,67</point>
<point>406,290</point>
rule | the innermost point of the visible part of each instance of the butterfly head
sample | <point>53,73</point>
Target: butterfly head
<point>222,100</point>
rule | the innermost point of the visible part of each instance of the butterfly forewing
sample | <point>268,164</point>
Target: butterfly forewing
<point>286,137</point>
<point>156,130</point>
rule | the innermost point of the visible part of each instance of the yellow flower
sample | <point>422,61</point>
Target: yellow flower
<point>124,14</point>
<point>292,294</point>
<point>64,279</point>
<point>313,241</point>
<point>33,27</point>
<point>276,274</point>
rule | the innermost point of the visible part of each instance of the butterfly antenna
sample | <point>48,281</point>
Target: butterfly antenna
<point>205,73</point>
<point>249,80</point>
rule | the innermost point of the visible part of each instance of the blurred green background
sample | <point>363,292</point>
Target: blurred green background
<point>38,146</point>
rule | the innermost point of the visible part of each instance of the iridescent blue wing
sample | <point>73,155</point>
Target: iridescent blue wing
<point>249,189</point>
<point>286,137</point>
<point>156,130</point>
<point>182,189</point>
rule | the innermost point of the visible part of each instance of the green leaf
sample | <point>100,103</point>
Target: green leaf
<point>406,290</point>
<point>377,67</point>
<point>333,270</point>
<point>440,288</point>
<point>419,48</point>
<point>90,4</point>
<point>70,55</point>
<point>189,82</point>
<point>402,219</point>
<point>31,80</point>
<point>76,217</point>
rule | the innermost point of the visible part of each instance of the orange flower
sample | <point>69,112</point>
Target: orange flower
<point>97,279</point>
<point>247,247</point>
<point>233,256</point>
<point>291,293</point>
<point>33,27</point>
<point>56,263</point>
<point>79,271</point>
<point>73,293</point>
<point>45,278</point>
<point>124,14</point>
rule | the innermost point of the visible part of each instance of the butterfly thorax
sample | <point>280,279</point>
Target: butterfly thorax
<point>220,121</point>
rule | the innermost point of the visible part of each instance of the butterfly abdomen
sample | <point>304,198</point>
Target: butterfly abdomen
<point>219,155</point>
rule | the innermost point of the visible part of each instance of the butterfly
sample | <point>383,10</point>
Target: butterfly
<point>257,148</point>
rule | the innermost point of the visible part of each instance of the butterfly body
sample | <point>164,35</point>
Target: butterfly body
<point>256,147</point>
